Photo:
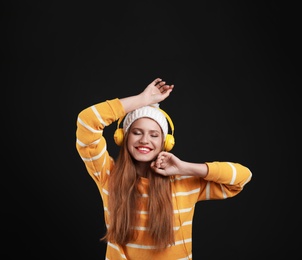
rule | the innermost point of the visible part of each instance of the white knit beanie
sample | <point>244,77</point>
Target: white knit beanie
<point>152,112</point>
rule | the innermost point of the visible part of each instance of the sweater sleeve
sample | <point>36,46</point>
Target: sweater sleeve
<point>224,180</point>
<point>90,142</point>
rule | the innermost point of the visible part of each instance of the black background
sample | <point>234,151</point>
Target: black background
<point>234,66</point>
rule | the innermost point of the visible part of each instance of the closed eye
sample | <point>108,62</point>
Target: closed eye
<point>152,133</point>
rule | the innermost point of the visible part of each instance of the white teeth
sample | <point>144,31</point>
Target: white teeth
<point>143,149</point>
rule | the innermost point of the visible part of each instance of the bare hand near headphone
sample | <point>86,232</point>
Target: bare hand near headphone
<point>167,164</point>
<point>157,91</point>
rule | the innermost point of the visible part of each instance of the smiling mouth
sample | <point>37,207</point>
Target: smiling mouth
<point>143,149</point>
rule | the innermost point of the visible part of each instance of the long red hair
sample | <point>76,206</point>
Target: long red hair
<point>123,199</point>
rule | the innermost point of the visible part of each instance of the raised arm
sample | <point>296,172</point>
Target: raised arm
<point>155,92</point>
<point>91,122</point>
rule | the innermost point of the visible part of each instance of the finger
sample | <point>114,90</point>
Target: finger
<point>158,164</point>
<point>164,88</point>
<point>161,84</point>
<point>166,93</point>
<point>156,81</point>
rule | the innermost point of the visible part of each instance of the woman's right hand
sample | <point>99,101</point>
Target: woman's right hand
<point>156,91</point>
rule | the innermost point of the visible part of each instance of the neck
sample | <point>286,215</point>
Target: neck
<point>142,169</point>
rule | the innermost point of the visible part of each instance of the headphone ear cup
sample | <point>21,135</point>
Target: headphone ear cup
<point>169,142</point>
<point>119,136</point>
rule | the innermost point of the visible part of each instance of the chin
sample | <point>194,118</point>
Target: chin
<point>144,157</point>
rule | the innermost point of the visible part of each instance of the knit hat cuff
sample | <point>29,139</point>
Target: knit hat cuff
<point>152,112</point>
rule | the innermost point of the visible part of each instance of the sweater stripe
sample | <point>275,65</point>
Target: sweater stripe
<point>234,173</point>
<point>187,193</point>
<point>94,158</point>
<point>99,117</point>
<point>89,127</point>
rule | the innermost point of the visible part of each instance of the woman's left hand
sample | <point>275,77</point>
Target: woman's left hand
<point>166,164</point>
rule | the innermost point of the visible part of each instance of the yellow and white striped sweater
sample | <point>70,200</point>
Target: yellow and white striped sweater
<point>224,180</point>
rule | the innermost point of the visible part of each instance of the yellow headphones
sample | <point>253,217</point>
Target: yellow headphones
<point>169,141</point>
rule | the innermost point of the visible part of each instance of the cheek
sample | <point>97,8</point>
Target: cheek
<point>160,142</point>
<point>131,142</point>
<point>132,139</point>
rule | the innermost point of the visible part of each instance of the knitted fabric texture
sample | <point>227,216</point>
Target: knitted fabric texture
<point>152,112</point>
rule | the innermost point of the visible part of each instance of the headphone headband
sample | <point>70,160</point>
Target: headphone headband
<point>169,120</point>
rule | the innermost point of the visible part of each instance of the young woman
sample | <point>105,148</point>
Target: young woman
<point>148,193</point>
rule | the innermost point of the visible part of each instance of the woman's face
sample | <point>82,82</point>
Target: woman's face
<point>145,139</point>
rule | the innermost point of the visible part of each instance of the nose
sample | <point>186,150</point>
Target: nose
<point>144,139</point>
